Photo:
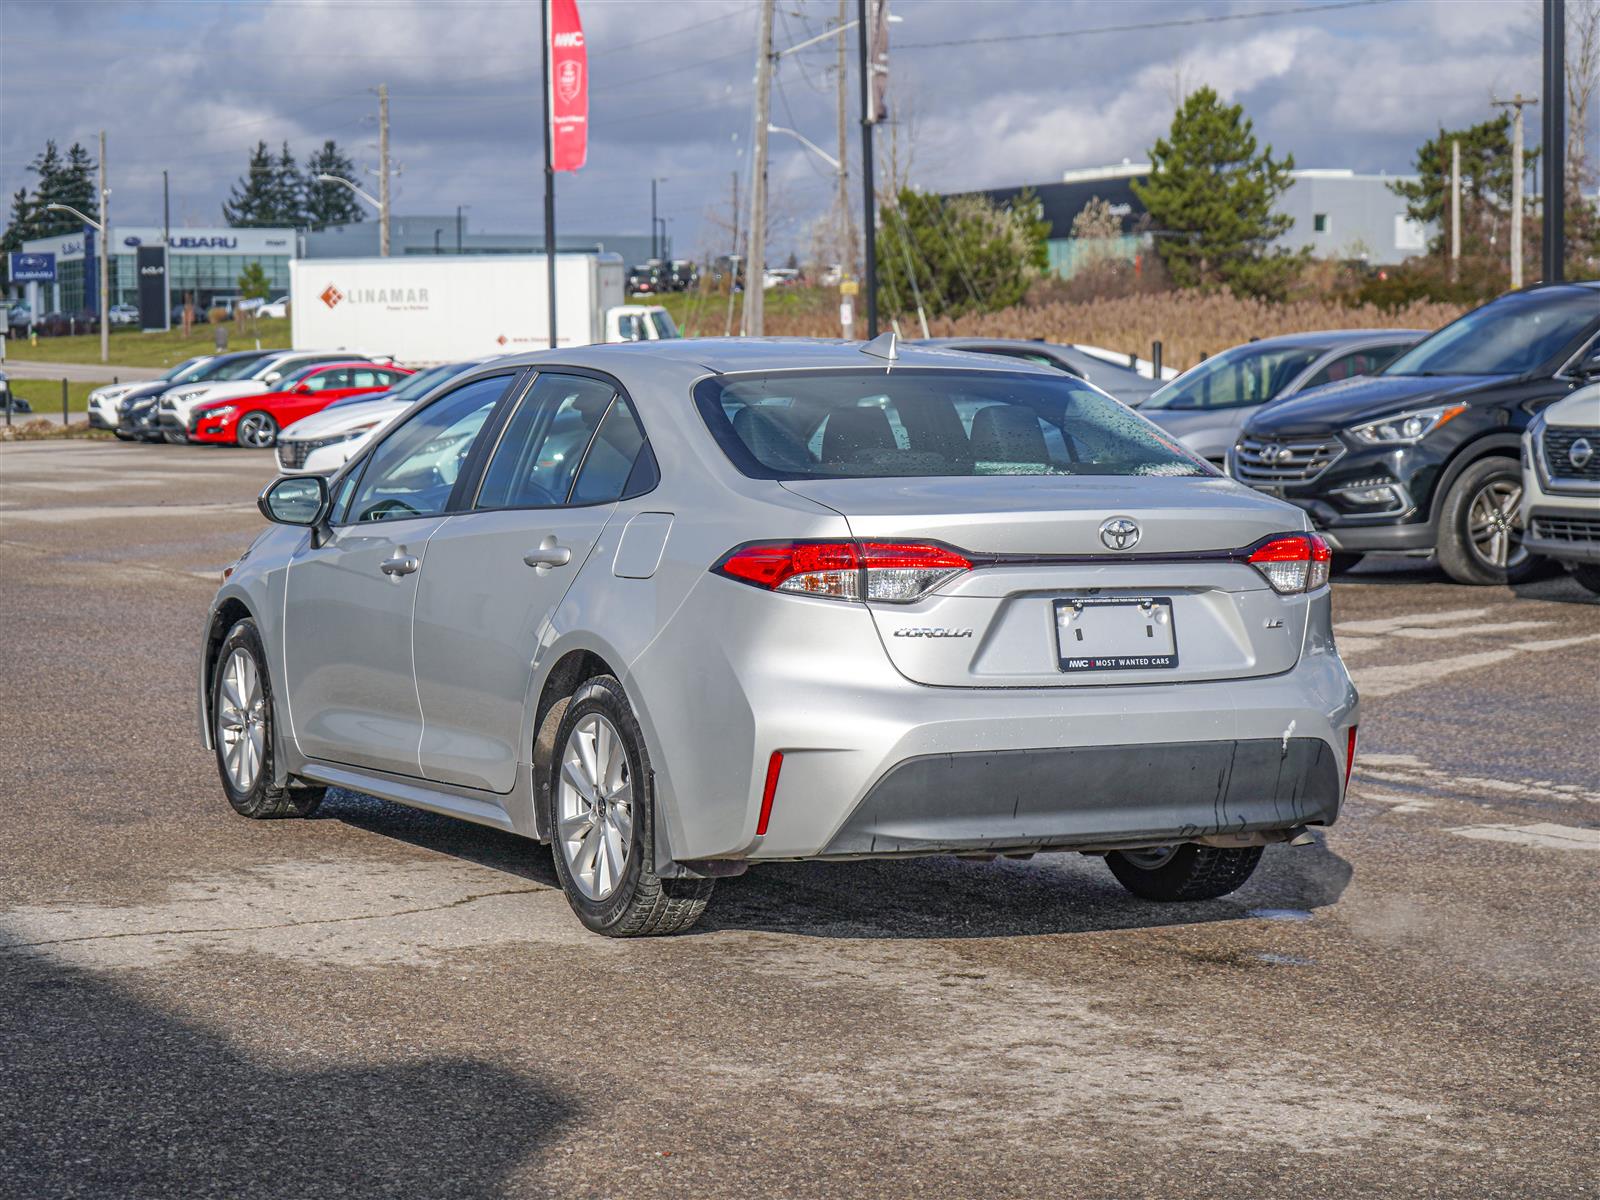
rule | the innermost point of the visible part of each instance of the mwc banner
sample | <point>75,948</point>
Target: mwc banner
<point>569,88</point>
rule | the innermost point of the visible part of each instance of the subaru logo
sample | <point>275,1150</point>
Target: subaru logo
<point>1119,533</point>
<point>1579,453</point>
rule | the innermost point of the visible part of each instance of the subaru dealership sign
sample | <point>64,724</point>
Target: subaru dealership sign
<point>32,268</point>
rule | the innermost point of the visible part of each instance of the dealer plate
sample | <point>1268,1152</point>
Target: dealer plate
<point>1115,633</point>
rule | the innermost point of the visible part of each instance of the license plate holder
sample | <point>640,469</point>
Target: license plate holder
<point>1115,633</point>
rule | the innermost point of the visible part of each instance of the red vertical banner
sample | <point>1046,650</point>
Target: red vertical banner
<point>569,88</point>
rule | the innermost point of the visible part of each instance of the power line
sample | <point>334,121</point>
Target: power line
<point>1140,25</point>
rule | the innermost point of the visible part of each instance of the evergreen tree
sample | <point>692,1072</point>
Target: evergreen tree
<point>965,253</point>
<point>330,203</point>
<point>1211,194</point>
<point>288,196</point>
<point>78,184</point>
<point>1485,178</point>
<point>251,201</point>
<point>22,223</point>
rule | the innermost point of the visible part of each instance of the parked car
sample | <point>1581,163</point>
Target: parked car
<point>104,407</point>
<point>1206,407</point>
<point>19,316</point>
<point>178,404</point>
<point>796,619</point>
<point>1561,482</point>
<point>9,400</point>
<point>61,324</point>
<point>253,420</point>
<point>325,441</point>
<point>780,277</point>
<point>123,314</point>
<point>1423,456</point>
<point>277,308</point>
<point>139,415</point>
<point>1125,383</point>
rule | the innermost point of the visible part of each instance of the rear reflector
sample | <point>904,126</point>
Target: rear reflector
<point>1349,756</point>
<point>893,572</point>
<point>769,790</point>
<point>1294,562</point>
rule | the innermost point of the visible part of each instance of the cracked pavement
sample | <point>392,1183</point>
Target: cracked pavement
<point>382,1002</point>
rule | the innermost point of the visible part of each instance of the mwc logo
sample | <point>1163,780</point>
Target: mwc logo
<point>331,295</point>
<point>568,41</point>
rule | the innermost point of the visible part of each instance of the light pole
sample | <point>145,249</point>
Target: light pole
<point>105,290</point>
<point>459,209</point>
<point>655,249</point>
<point>383,216</point>
<point>807,143</point>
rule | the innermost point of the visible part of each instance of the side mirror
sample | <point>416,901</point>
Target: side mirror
<point>303,389</point>
<point>295,500</point>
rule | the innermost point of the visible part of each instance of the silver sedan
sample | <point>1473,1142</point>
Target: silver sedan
<point>681,607</point>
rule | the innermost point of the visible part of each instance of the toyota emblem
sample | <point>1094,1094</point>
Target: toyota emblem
<point>1579,454</point>
<point>1120,533</point>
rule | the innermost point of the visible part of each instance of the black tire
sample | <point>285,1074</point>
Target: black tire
<point>1191,872</point>
<point>262,800</point>
<point>1588,576</point>
<point>173,437</point>
<point>1344,563</point>
<point>642,903</point>
<point>1459,557</point>
<point>121,436</point>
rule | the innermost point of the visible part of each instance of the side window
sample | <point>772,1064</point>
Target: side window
<point>363,377</point>
<point>323,380</point>
<point>413,470</point>
<point>609,463</point>
<point>544,442</point>
<point>1361,362</point>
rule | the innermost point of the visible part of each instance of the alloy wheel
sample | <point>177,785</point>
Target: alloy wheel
<point>1492,524</point>
<point>594,814</point>
<point>1151,859</point>
<point>257,431</point>
<point>241,720</point>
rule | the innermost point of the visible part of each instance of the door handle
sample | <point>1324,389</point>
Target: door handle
<point>400,564</point>
<point>548,555</point>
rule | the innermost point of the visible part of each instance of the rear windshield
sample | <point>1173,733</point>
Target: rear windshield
<point>911,422</point>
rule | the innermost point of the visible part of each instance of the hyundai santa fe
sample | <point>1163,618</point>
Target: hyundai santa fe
<point>681,607</point>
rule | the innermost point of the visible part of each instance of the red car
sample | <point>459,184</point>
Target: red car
<point>253,421</point>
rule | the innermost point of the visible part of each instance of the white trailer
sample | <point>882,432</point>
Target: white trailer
<point>444,308</point>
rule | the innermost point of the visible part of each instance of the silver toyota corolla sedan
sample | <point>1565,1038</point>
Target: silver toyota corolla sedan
<point>680,607</point>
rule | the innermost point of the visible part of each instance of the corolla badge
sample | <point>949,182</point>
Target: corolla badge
<point>1579,453</point>
<point>932,631</point>
<point>1120,533</point>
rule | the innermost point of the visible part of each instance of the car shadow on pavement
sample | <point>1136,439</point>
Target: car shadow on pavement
<point>103,1094</point>
<point>938,897</point>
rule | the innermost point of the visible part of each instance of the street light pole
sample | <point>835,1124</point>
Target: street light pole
<point>654,253</point>
<point>105,257</point>
<point>869,231</point>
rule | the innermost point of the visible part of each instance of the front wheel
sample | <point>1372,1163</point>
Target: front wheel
<point>1187,872</point>
<point>600,818</point>
<point>256,431</point>
<point>1480,540</point>
<point>241,713</point>
<point>173,437</point>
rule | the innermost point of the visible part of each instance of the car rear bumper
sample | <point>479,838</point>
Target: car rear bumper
<point>1096,797</point>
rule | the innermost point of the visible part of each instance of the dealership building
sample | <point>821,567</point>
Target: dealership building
<point>61,274</point>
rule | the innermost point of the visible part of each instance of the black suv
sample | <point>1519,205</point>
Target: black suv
<point>1424,455</point>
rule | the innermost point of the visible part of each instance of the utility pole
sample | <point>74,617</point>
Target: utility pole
<point>1517,103</point>
<point>105,257</point>
<point>166,211</point>
<point>847,235</point>
<point>869,231</point>
<point>1455,209</point>
<point>756,262</point>
<point>458,228</point>
<point>383,170</point>
<point>654,253</point>
<point>733,258</point>
<point>549,175</point>
<point>1554,139</point>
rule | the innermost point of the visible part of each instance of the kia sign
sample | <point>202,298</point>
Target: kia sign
<point>32,268</point>
<point>155,299</point>
<point>569,88</point>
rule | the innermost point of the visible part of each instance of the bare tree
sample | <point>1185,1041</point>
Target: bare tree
<point>1583,82</point>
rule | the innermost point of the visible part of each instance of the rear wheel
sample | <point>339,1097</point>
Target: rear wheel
<point>241,713</point>
<point>601,813</point>
<point>173,437</point>
<point>1480,541</point>
<point>121,436</point>
<point>1187,872</point>
<point>1589,576</point>
<point>256,431</point>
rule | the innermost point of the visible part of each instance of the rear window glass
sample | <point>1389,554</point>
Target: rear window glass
<point>911,422</point>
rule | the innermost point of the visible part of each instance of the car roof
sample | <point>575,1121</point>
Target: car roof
<point>726,356</point>
<point>1332,338</point>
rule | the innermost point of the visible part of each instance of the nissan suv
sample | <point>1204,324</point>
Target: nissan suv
<point>1424,456</point>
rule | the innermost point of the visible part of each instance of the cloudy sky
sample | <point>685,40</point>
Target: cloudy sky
<point>985,92</point>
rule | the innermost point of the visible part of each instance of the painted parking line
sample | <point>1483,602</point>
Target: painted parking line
<point>1543,836</point>
<point>1408,770</point>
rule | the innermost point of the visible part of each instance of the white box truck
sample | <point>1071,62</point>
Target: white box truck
<point>443,308</point>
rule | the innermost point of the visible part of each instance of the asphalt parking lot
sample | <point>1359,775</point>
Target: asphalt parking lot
<point>379,1002</point>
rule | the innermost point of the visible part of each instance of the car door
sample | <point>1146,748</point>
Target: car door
<point>348,602</point>
<point>322,388</point>
<point>497,573</point>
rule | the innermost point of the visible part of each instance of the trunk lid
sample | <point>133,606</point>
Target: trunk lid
<point>1039,542</point>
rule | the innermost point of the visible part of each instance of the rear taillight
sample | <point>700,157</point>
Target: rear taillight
<point>1349,756</point>
<point>1295,562</point>
<point>893,572</point>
